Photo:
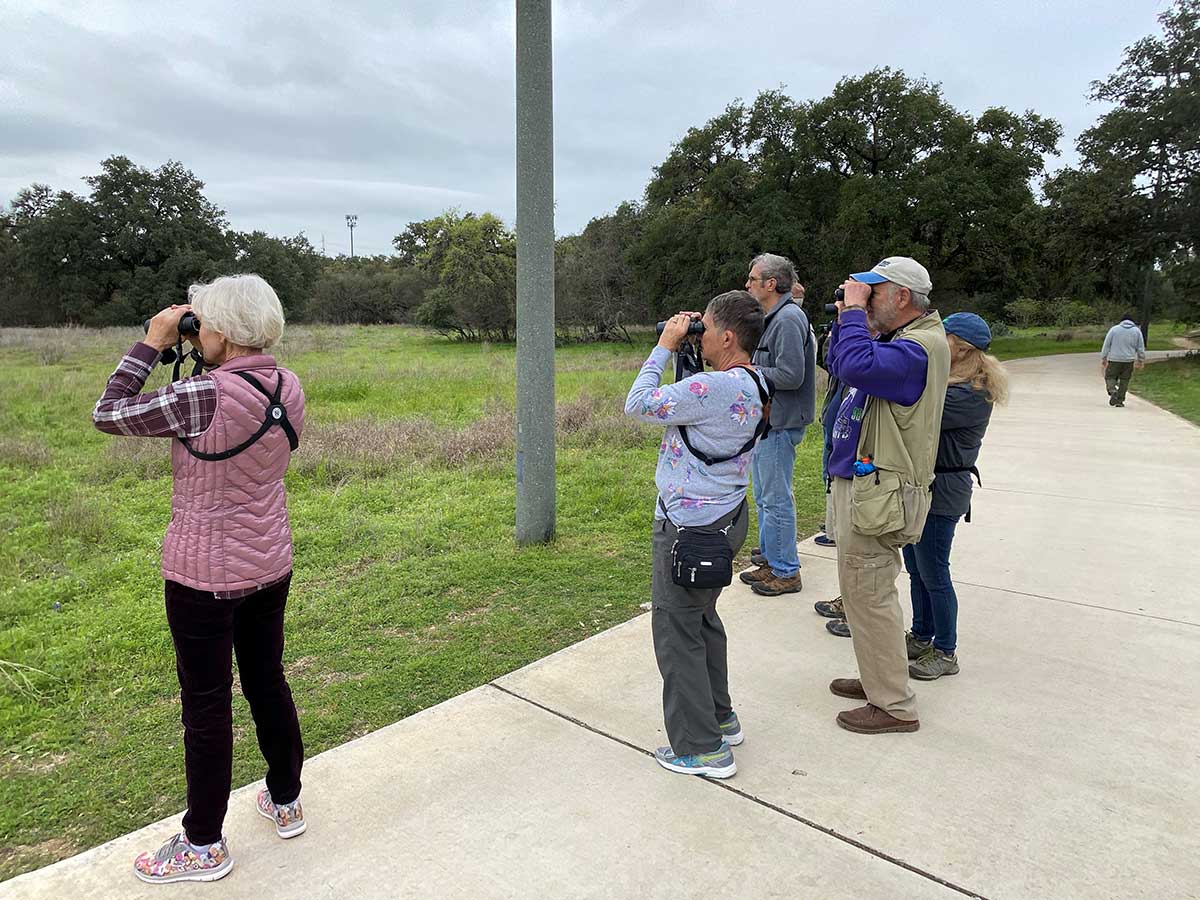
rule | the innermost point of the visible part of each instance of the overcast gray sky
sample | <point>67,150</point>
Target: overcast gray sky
<point>296,113</point>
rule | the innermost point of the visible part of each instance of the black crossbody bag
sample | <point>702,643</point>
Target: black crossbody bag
<point>703,559</point>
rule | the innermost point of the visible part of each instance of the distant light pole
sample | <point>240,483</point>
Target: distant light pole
<point>535,274</point>
<point>351,221</point>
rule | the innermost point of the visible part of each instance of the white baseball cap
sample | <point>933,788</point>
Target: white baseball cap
<point>902,270</point>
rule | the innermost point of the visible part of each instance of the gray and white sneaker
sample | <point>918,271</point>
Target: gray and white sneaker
<point>933,664</point>
<point>288,817</point>
<point>731,730</point>
<point>915,646</point>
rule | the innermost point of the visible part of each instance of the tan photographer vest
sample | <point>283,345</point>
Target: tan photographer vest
<point>902,441</point>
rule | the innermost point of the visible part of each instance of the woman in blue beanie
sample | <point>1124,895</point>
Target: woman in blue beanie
<point>977,383</point>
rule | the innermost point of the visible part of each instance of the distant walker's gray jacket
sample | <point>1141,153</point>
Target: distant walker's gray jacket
<point>1124,343</point>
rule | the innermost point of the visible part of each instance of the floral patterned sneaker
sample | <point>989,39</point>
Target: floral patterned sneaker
<point>178,860</point>
<point>288,818</point>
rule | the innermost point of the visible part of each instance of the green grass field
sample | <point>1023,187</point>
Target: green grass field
<point>1173,384</point>
<point>409,588</point>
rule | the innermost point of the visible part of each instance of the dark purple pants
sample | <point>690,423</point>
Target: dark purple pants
<point>206,632</point>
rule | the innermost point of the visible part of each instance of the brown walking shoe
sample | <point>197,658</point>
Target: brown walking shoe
<point>848,687</point>
<point>870,719</point>
<point>752,576</point>
<point>774,585</point>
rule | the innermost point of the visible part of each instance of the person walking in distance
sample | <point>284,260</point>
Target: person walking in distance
<point>1124,350</point>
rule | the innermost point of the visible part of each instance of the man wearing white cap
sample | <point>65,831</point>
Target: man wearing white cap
<point>885,441</point>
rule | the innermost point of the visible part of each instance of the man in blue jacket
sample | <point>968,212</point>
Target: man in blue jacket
<point>786,354</point>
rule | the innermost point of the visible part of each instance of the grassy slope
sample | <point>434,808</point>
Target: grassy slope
<point>1173,384</point>
<point>408,587</point>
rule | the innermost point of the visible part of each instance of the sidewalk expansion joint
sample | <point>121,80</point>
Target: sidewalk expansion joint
<point>1123,612</point>
<point>824,829</point>
<point>1097,500</point>
<point>1004,590</point>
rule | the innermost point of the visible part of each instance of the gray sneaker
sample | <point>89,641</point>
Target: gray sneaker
<point>731,730</point>
<point>933,664</point>
<point>839,627</point>
<point>718,764</point>
<point>916,647</point>
<point>830,609</point>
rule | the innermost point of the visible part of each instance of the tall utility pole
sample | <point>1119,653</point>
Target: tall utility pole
<point>535,273</point>
<point>351,221</point>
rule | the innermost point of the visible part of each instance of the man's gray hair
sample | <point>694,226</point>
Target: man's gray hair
<point>920,302</point>
<point>771,265</point>
<point>244,308</point>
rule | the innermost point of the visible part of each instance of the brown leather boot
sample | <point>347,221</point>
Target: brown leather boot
<point>774,585</point>
<point>870,719</point>
<point>753,576</point>
<point>848,687</point>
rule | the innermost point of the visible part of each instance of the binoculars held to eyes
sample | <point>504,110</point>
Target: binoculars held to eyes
<point>838,295</point>
<point>697,327</point>
<point>189,325</point>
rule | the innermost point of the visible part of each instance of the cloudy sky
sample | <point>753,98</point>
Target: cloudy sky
<point>296,113</point>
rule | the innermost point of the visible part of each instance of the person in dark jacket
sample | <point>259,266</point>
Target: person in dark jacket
<point>977,382</point>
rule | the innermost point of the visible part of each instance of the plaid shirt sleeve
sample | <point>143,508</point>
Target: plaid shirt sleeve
<point>181,409</point>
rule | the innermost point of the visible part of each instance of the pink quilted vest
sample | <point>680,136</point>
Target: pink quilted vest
<point>229,522</point>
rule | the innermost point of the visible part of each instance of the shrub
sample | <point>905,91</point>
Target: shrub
<point>1069,313</point>
<point>1025,312</point>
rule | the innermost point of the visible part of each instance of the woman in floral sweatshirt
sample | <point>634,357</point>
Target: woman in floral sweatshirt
<point>722,411</point>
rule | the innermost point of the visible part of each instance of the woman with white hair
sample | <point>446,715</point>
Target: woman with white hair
<point>227,555</point>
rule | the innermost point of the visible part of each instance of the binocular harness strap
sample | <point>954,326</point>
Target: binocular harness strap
<point>764,393</point>
<point>276,415</point>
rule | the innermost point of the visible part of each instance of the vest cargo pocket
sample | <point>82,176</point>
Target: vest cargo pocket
<point>876,506</point>
<point>916,501</point>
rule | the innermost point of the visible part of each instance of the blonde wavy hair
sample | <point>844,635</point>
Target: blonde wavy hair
<point>970,365</point>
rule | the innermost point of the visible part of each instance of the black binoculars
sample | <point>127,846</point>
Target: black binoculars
<point>838,295</point>
<point>189,325</point>
<point>697,327</point>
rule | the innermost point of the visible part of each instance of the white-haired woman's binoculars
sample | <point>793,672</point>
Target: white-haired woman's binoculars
<point>189,325</point>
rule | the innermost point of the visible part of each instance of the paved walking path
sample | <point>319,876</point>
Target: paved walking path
<point>1063,762</point>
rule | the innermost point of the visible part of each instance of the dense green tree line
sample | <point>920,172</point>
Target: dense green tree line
<point>883,165</point>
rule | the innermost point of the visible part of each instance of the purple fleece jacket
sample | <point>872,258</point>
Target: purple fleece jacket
<point>890,370</point>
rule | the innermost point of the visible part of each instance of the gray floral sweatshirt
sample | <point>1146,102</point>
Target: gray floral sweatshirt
<point>721,411</point>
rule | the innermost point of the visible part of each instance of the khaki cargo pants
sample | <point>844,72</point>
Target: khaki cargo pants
<point>867,571</point>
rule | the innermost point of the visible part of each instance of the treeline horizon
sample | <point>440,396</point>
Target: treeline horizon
<point>883,165</point>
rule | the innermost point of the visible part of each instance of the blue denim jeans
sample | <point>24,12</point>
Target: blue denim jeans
<point>934,603</point>
<point>771,470</point>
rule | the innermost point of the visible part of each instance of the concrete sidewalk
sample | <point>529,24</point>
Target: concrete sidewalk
<point>1063,762</point>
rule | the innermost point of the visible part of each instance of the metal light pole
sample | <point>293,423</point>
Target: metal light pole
<point>535,273</point>
<point>351,221</point>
